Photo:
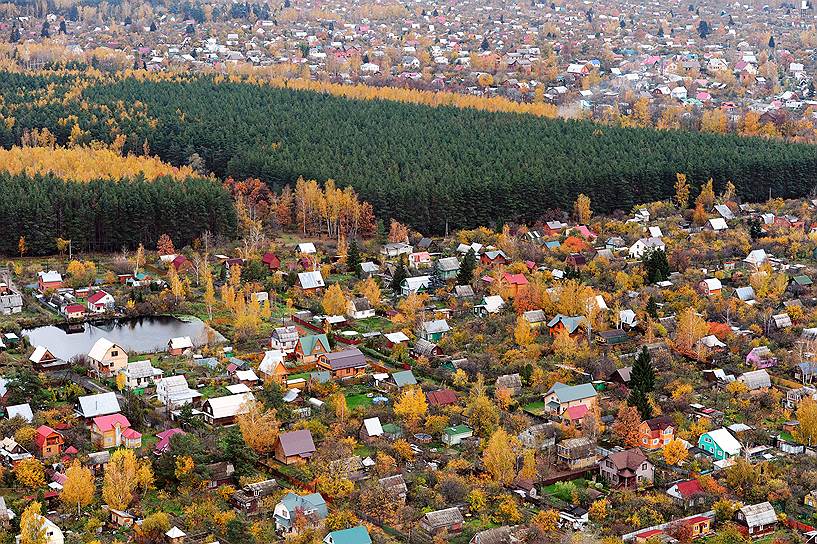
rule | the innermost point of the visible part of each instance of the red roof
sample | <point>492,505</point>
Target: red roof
<point>271,260</point>
<point>650,533</point>
<point>74,308</point>
<point>689,488</point>
<point>516,279</point>
<point>106,423</point>
<point>576,412</point>
<point>441,397</point>
<point>164,438</point>
<point>179,261</point>
<point>697,519</point>
<point>43,432</point>
<point>96,297</point>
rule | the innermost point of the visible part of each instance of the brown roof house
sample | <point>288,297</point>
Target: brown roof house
<point>343,364</point>
<point>450,520</point>
<point>294,447</point>
<point>248,498</point>
<point>627,469</point>
<point>577,453</point>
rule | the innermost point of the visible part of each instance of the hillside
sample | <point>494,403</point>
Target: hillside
<point>420,164</point>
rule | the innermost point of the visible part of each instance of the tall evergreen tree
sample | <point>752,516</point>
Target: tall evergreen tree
<point>657,266</point>
<point>640,401</point>
<point>466,274</point>
<point>400,274</point>
<point>353,258</point>
<point>642,376</point>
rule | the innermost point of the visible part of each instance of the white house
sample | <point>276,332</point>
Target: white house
<point>107,358</point>
<point>53,534</point>
<point>360,308</point>
<point>644,245</point>
<point>139,374</point>
<point>174,392</point>
<point>284,339</point>
<point>311,281</point>
<point>100,302</point>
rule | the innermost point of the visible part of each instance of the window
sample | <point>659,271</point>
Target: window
<point>114,353</point>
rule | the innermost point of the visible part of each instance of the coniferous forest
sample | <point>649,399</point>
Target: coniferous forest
<point>108,215</point>
<point>422,165</point>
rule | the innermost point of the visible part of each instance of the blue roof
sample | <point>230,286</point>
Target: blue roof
<point>404,378</point>
<point>355,535</point>
<point>571,323</point>
<point>569,393</point>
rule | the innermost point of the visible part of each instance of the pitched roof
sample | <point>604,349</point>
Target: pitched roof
<point>759,514</point>
<point>109,422</point>
<point>355,535</point>
<point>570,393</point>
<point>444,518</point>
<point>229,405</point>
<point>308,343</point>
<point>297,443</point>
<point>404,378</point>
<point>311,280</point>
<point>98,405</point>
<point>441,397</point>
<point>628,459</point>
<point>348,358</point>
<point>100,348</point>
<point>725,441</point>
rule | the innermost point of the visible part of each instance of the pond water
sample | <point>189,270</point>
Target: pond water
<point>135,335</point>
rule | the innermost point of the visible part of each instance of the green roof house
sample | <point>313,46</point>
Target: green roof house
<point>454,435</point>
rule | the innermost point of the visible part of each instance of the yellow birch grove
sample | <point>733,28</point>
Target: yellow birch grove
<point>79,486</point>
<point>121,479</point>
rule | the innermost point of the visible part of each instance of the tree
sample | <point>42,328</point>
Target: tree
<point>353,257</point>
<point>411,406</point>
<point>21,246</point>
<point>522,333</point>
<point>120,480</point>
<point>32,525</point>
<point>691,328</point>
<point>626,425</point>
<point>466,273</point>
<point>30,473</point>
<point>139,259</point>
<point>675,452</point>
<point>499,456</point>
<point>398,232</point>
<point>482,414</point>
<point>259,427</point>
<point>681,191</point>
<point>640,400</point>
<point>400,274</point>
<point>78,488</point>
<point>165,245</point>
<point>546,521</point>
<point>707,195</point>
<point>582,209</point>
<point>703,29</point>
<point>806,431</point>
<point>656,265</point>
<point>334,302</point>
<point>642,375</point>
<point>369,289</point>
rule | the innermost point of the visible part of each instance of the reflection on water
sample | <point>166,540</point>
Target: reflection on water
<point>135,335</point>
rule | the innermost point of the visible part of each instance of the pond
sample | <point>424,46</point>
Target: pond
<point>134,335</point>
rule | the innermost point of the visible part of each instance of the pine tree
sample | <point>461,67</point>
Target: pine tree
<point>353,258</point>
<point>640,401</point>
<point>657,266</point>
<point>435,280</point>
<point>400,274</point>
<point>642,377</point>
<point>652,307</point>
<point>466,273</point>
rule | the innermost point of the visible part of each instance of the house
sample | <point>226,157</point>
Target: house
<point>745,294</point>
<point>307,248</point>
<point>50,280</point>
<point>577,453</point>
<point>400,379</point>
<point>720,444</point>
<point>644,245</point>
<point>541,436</point>
<point>511,382</point>
<point>396,249</point>
<point>756,258</point>
<point>805,372</point>
<point>656,433</point>
<point>756,379</point>
<point>810,499</point>
<point>569,324</point>
<point>433,331</point>
<point>101,302</point>
<point>163,443</point>
<point>219,474</point>
<point>48,441</point>
<point>759,519</point>
<point>355,535</point>
<point>442,397</point>
<point>760,357</point>
<point>448,268</point>
<point>494,258</point>
<point>781,321</point>
<point>272,367</point>
<point>20,410</point>
<point>51,533</point>
<point>612,337</point>
<point>246,377</point>
<point>102,404</point>
<point>449,520</point>
<point>12,452</point>
<point>294,447</point>
<point>181,345</point>
<point>370,429</point>
<point>395,486</point>
<point>224,410</point>
<point>420,259</point>
<point>517,284</point>
<point>490,304</point>
<point>710,287</point>
<point>311,508</point>
<point>535,318</point>
<point>452,436</point>
<point>688,493</point>
<point>175,535</point>
<point>114,431</point>
<point>416,284</point>
<point>309,348</point>
<point>6,514</point>
<point>627,469</point>
<point>574,518</point>
<point>393,339</point>
<point>560,397</point>
<point>42,360</point>
<point>368,269</point>
<point>360,308</point>
<point>73,311</point>
<point>173,392</point>
<point>424,348</point>
<point>271,261</point>
<point>248,499</point>
<point>11,302</point>
<point>343,364</point>
<point>311,281</point>
<point>284,339</point>
<point>717,224</point>
<point>107,359</point>
<point>141,374</point>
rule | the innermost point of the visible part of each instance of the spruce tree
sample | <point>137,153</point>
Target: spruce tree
<point>466,273</point>
<point>652,307</point>
<point>640,401</point>
<point>399,275</point>
<point>353,258</point>
<point>642,377</point>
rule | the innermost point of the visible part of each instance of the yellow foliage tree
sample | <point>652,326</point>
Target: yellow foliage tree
<point>499,456</point>
<point>522,333</point>
<point>582,209</point>
<point>32,525</point>
<point>334,302</point>
<point>675,452</point>
<point>78,488</point>
<point>259,427</point>
<point>411,406</point>
<point>681,191</point>
<point>121,478</point>
<point>806,432</point>
<point>30,473</point>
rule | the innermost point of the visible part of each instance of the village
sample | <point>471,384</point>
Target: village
<point>714,66</point>
<point>648,377</point>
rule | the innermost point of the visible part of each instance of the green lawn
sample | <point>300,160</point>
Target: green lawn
<point>536,407</point>
<point>358,400</point>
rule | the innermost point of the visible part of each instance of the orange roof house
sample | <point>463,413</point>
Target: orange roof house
<point>49,442</point>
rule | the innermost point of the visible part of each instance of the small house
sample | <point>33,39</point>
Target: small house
<point>284,339</point>
<point>370,429</point>
<point>311,281</point>
<point>449,520</point>
<point>355,535</point>
<point>448,268</point>
<point>181,345</point>
<point>272,367</point>
<point>309,348</point>
<point>248,499</point>
<point>294,447</point>
<point>758,519</point>
<point>51,280</point>
<point>360,308</point>
<point>452,436</point>
<point>42,360</point>
<point>102,404</point>
<point>720,444</point>
<point>310,508</point>
<point>560,397</point>
<point>141,374</point>
<point>494,258</point>
<point>577,453</point>
<point>688,493</point>
<point>100,302</point>
<point>343,364</point>
<point>224,410</point>
<point>627,469</point>
<point>107,359</point>
<point>433,331</point>
<point>756,380</point>
<point>114,431</point>
<point>656,433</point>
<point>48,441</point>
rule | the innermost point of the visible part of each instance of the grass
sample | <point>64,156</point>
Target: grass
<point>358,400</point>
<point>564,490</point>
<point>536,407</point>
